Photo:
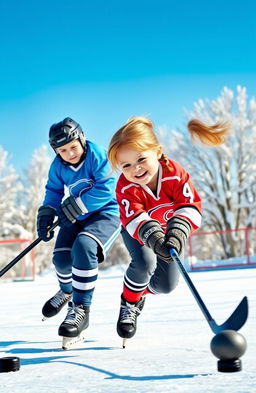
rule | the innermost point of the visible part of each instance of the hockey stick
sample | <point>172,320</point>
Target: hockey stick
<point>24,252</point>
<point>234,322</point>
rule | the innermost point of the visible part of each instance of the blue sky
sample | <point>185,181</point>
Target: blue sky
<point>101,62</point>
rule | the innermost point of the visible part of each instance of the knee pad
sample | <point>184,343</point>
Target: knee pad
<point>62,261</point>
<point>85,252</point>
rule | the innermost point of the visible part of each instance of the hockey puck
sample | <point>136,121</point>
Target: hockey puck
<point>9,363</point>
<point>228,346</point>
<point>229,366</point>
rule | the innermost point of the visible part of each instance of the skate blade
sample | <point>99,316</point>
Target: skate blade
<point>124,342</point>
<point>72,342</point>
<point>44,319</point>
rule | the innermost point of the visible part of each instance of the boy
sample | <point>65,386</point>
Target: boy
<point>88,219</point>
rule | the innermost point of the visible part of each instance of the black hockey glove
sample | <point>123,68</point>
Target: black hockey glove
<point>152,234</point>
<point>178,230</point>
<point>69,211</point>
<point>45,218</point>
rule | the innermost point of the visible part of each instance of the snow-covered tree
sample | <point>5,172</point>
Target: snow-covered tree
<point>34,180</point>
<point>9,189</point>
<point>224,175</point>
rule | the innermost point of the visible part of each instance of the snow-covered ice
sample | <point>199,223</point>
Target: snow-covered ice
<point>170,352</point>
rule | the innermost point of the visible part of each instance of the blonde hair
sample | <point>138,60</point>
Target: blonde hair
<point>137,134</point>
<point>209,135</point>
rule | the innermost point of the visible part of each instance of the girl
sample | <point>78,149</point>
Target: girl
<point>159,209</point>
<point>89,223</point>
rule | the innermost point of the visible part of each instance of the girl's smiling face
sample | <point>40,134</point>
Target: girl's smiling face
<point>71,152</point>
<point>139,167</point>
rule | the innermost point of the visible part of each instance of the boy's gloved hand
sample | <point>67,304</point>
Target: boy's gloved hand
<point>69,212</point>
<point>45,218</point>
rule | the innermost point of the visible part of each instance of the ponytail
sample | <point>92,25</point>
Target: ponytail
<point>209,135</point>
<point>165,160</point>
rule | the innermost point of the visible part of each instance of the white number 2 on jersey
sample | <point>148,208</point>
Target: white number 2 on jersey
<point>126,204</point>
<point>188,193</point>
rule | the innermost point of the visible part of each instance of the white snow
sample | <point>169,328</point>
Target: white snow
<point>170,352</point>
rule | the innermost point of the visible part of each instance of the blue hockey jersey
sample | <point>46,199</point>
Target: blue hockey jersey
<point>91,183</point>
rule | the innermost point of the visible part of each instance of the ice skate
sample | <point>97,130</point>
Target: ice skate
<point>73,327</point>
<point>127,320</point>
<point>55,304</point>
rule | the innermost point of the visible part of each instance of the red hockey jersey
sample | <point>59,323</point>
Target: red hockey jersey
<point>175,196</point>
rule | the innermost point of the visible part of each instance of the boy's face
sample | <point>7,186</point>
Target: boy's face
<point>71,152</point>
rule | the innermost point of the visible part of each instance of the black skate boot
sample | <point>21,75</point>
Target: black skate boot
<point>55,304</point>
<point>72,328</point>
<point>127,320</point>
